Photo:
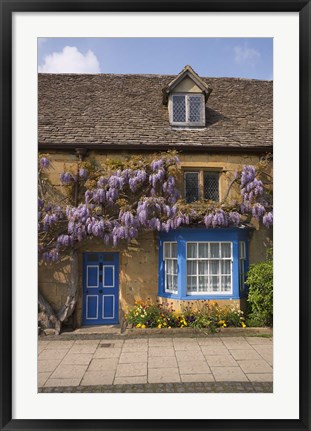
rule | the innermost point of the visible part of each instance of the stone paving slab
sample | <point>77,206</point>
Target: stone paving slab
<point>221,361</point>
<point>64,371</point>
<point>255,366</point>
<point>228,374</point>
<point>215,350</point>
<point>43,377</point>
<point>131,370</point>
<point>108,364</point>
<point>102,353</point>
<point>98,378</point>
<point>54,383</point>
<point>53,354</point>
<point>130,380</point>
<point>83,348</point>
<point>77,359</point>
<point>48,365</point>
<point>162,362</point>
<point>197,377</point>
<point>193,367</point>
<point>245,354</point>
<point>104,363</point>
<point>163,375</point>
<point>130,357</point>
<point>160,342</point>
<point>267,377</point>
<point>161,351</point>
<point>60,345</point>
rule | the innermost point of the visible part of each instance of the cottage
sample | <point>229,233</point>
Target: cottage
<point>216,124</point>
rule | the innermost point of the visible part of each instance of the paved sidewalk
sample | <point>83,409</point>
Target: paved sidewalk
<point>144,363</point>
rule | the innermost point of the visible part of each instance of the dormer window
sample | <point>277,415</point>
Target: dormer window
<point>187,109</point>
<point>186,97</point>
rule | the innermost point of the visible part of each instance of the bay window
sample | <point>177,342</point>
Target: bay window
<point>200,263</point>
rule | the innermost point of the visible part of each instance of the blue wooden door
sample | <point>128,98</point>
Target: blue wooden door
<point>100,288</point>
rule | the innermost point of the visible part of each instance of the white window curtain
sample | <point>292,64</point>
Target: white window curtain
<point>209,267</point>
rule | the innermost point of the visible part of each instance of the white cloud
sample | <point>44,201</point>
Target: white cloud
<point>246,56</point>
<point>70,60</point>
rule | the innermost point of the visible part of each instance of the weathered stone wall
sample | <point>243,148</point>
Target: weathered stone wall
<point>139,262</point>
<point>180,305</point>
<point>53,282</point>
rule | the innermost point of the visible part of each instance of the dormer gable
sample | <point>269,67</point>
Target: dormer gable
<point>186,97</point>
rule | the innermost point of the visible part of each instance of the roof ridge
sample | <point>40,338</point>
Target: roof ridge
<point>151,75</point>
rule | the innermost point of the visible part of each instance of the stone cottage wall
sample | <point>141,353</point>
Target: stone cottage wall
<point>138,262</point>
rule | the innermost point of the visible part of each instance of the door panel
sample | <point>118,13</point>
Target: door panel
<point>108,271</point>
<point>92,307</point>
<point>92,276</point>
<point>100,288</point>
<point>108,306</point>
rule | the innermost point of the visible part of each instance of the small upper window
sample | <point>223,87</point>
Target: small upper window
<point>201,184</point>
<point>187,109</point>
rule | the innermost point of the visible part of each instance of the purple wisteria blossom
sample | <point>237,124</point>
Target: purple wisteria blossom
<point>83,173</point>
<point>44,163</point>
<point>66,178</point>
<point>268,219</point>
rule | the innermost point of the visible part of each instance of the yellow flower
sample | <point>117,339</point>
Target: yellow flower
<point>159,325</point>
<point>243,325</point>
<point>138,325</point>
<point>143,326</point>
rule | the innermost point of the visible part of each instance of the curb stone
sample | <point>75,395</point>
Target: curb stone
<point>160,333</point>
<point>196,387</point>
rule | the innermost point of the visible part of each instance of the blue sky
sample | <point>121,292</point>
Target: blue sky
<point>214,57</point>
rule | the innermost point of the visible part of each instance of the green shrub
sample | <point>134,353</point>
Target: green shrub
<point>260,296</point>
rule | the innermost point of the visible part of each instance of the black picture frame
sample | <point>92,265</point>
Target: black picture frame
<point>7,10</point>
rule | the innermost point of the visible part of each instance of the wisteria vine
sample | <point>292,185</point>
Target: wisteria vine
<point>115,203</point>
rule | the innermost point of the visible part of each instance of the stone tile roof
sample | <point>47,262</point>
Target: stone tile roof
<point>127,110</point>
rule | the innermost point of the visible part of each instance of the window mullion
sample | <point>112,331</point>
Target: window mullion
<point>201,184</point>
<point>197,267</point>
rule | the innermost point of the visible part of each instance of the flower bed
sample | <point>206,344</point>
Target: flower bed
<point>204,315</point>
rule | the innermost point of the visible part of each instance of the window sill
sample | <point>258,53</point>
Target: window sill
<point>188,126</point>
<point>208,297</point>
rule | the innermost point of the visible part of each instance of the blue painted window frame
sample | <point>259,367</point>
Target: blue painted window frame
<point>184,235</point>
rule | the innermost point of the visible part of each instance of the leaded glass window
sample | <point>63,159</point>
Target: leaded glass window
<point>179,109</point>
<point>209,267</point>
<point>195,107</point>
<point>170,266</point>
<point>191,186</point>
<point>187,109</point>
<point>201,185</point>
<point>211,186</point>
